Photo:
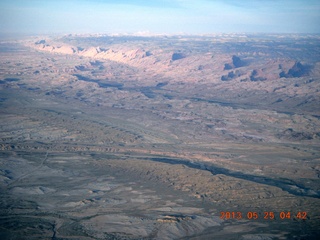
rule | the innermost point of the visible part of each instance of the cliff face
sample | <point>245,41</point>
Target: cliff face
<point>191,64</point>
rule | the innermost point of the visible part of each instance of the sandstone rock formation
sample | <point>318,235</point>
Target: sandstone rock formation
<point>177,56</point>
<point>297,70</point>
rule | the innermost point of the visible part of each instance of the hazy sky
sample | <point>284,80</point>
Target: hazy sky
<point>159,16</point>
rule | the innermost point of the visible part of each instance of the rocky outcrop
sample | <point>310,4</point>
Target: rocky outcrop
<point>255,76</point>
<point>297,70</point>
<point>293,135</point>
<point>90,66</point>
<point>173,219</point>
<point>236,63</point>
<point>90,52</point>
<point>227,66</point>
<point>231,75</point>
<point>177,56</point>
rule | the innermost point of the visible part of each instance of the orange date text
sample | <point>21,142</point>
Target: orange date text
<point>267,215</point>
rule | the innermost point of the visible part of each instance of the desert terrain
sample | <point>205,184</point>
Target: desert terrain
<point>160,137</point>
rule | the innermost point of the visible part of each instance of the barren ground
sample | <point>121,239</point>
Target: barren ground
<point>152,138</point>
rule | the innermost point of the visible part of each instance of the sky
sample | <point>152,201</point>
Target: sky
<point>159,16</point>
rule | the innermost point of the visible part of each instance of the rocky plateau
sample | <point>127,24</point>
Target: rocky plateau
<point>158,137</point>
